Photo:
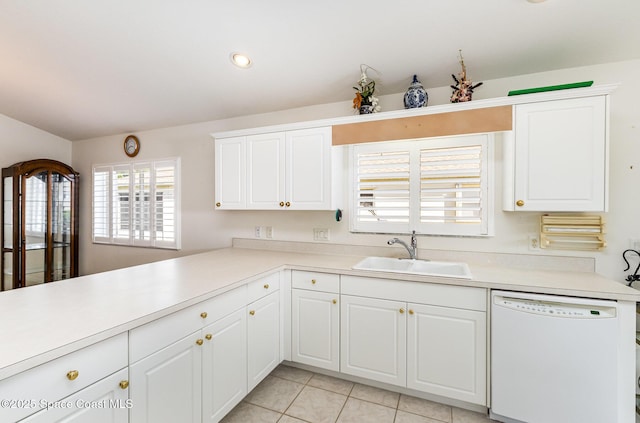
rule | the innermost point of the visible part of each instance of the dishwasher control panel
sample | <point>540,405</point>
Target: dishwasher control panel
<point>554,309</point>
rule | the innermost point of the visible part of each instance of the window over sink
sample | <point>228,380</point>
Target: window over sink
<point>436,186</point>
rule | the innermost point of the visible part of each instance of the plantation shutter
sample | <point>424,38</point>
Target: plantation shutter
<point>165,212</point>
<point>137,204</point>
<point>101,215</point>
<point>453,189</point>
<point>383,188</point>
<point>434,186</point>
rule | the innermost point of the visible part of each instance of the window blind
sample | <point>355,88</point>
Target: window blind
<point>383,188</point>
<point>433,185</point>
<point>137,204</point>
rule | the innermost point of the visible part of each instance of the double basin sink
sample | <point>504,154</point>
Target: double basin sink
<point>445,269</point>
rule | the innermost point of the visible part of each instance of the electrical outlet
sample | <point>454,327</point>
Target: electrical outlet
<point>258,232</point>
<point>320,234</point>
<point>534,242</point>
<point>268,232</point>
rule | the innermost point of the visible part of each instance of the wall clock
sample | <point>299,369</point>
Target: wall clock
<point>131,145</point>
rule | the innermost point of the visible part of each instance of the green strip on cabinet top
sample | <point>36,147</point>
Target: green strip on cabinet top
<point>552,88</point>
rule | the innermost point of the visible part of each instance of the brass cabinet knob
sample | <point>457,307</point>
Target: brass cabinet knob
<point>266,286</point>
<point>73,374</point>
<point>203,314</point>
<point>519,203</point>
<point>281,203</point>
<point>335,301</point>
<point>252,312</point>
<point>410,311</point>
<point>208,336</point>
<point>288,204</point>
<point>218,204</point>
<point>313,281</point>
<point>401,310</point>
<point>124,384</point>
<point>199,342</point>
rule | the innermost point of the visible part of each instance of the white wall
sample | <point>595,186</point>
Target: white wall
<point>205,228</point>
<point>20,142</point>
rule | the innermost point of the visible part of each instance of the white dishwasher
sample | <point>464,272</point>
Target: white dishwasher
<point>553,359</point>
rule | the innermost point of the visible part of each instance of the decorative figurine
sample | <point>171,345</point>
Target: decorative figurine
<point>463,89</point>
<point>416,96</point>
<point>365,102</point>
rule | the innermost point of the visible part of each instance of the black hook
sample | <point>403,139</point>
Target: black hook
<point>635,276</point>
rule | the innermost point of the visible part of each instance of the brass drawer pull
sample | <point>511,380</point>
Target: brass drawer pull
<point>124,384</point>
<point>252,312</point>
<point>288,204</point>
<point>199,342</point>
<point>519,203</point>
<point>72,374</point>
<point>203,314</point>
<point>266,286</point>
<point>217,204</point>
<point>281,203</point>
<point>335,301</point>
<point>313,281</point>
<point>402,311</point>
<point>208,336</point>
<point>410,311</point>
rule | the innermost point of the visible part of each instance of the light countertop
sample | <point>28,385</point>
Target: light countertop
<point>40,323</point>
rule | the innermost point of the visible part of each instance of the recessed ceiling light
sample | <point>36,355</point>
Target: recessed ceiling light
<point>240,60</point>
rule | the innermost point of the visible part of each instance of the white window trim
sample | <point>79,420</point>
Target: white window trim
<point>131,240</point>
<point>414,146</point>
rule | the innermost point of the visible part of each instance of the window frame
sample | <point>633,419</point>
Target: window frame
<point>414,146</point>
<point>110,201</point>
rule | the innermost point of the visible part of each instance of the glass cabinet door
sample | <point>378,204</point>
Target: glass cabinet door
<point>61,226</point>
<point>7,234</point>
<point>34,228</point>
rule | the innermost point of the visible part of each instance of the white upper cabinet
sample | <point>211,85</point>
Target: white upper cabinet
<point>230,173</point>
<point>287,170</point>
<point>560,156</point>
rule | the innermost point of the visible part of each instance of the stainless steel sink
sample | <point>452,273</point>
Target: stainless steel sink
<point>447,269</point>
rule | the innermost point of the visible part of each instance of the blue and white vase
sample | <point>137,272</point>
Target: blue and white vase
<point>416,96</point>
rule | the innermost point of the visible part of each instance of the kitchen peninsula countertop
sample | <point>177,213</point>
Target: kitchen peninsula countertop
<point>41,323</point>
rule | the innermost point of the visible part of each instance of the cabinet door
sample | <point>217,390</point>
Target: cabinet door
<point>561,155</point>
<point>230,173</point>
<point>263,338</point>
<point>166,386</point>
<point>308,169</point>
<point>103,402</point>
<point>315,329</point>
<point>265,171</point>
<point>373,339</point>
<point>224,380</point>
<point>446,352</point>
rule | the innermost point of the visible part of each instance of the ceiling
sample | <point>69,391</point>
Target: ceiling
<point>82,69</point>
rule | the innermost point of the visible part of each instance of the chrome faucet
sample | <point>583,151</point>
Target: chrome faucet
<point>412,248</point>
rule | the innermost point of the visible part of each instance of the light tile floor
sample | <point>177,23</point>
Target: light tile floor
<point>292,395</point>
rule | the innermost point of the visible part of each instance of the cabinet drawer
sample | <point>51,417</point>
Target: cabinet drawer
<point>52,381</point>
<point>464,297</point>
<point>314,281</point>
<point>262,287</point>
<point>147,339</point>
<point>222,305</point>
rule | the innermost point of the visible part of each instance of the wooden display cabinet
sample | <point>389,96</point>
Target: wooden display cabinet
<point>40,223</point>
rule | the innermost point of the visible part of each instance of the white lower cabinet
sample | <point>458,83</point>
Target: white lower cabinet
<point>373,344</point>
<point>167,385</point>
<point>106,401</point>
<point>446,352</point>
<point>437,345</point>
<point>315,326</point>
<point>263,338</point>
<point>224,367</point>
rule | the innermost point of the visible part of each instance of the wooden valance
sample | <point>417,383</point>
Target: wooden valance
<point>489,119</point>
